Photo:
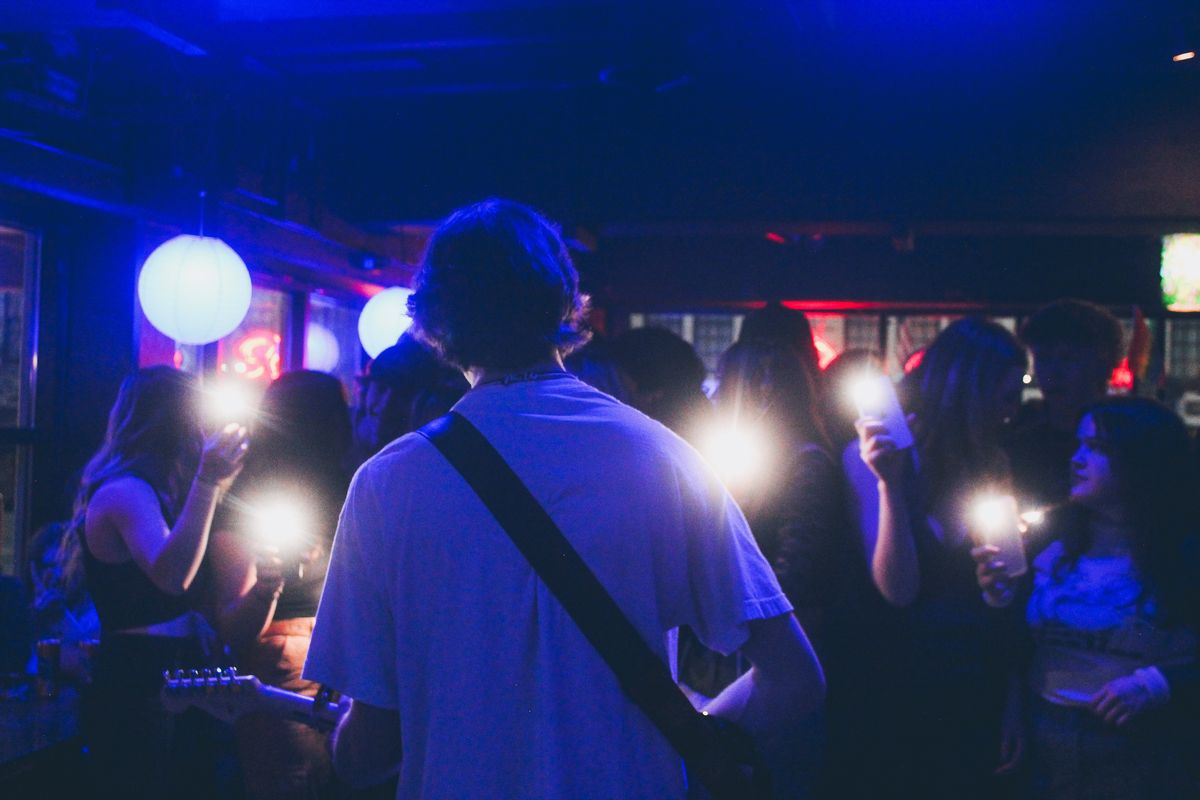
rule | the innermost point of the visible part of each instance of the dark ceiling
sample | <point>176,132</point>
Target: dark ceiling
<point>628,117</point>
<point>628,112</point>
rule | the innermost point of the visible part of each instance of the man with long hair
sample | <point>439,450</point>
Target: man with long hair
<point>443,633</point>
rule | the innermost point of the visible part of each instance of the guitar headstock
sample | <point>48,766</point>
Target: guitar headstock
<point>220,692</point>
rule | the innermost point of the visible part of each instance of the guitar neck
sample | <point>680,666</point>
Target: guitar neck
<point>297,707</point>
<point>227,695</point>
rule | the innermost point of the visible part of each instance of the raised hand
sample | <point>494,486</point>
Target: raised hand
<point>990,573</point>
<point>223,455</point>
<point>878,450</point>
<point>270,578</point>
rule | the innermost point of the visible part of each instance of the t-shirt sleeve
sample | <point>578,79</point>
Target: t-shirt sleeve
<point>730,582</point>
<point>353,642</point>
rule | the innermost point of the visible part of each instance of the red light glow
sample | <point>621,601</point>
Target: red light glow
<point>256,355</point>
<point>776,238</point>
<point>1122,376</point>
<point>914,361</point>
<point>825,351</point>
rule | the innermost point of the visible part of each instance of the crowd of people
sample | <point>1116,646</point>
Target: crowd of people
<point>836,605</point>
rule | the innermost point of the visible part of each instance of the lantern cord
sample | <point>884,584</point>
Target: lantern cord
<point>203,194</point>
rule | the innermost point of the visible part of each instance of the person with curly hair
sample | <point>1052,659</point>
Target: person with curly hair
<point>443,634</point>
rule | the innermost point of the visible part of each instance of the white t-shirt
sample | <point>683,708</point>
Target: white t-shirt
<point>430,609</point>
<point>1090,625</point>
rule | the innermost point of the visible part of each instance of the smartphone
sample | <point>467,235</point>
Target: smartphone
<point>997,523</point>
<point>875,397</point>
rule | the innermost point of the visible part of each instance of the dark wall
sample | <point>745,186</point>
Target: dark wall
<point>995,271</point>
<point>86,345</point>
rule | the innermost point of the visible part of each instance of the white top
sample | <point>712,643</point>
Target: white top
<point>430,609</point>
<point>1091,625</point>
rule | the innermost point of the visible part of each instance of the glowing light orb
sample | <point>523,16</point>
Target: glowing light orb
<point>868,394</point>
<point>321,351</point>
<point>280,522</point>
<point>230,401</point>
<point>739,454</point>
<point>195,289</point>
<point>383,319</point>
<point>1034,517</point>
<point>995,515</point>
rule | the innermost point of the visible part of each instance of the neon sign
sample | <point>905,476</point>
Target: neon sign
<point>256,355</point>
<point>825,351</point>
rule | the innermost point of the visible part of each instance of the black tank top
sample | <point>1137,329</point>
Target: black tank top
<point>124,596</point>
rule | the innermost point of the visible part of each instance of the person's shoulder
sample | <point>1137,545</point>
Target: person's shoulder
<point>122,490</point>
<point>1047,559</point>
<point>399,456</point>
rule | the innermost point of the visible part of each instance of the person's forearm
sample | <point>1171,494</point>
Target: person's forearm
<point>894,566</point>
<point>361,757</point>
<point>246,618</point>
<point>178,560</point>
<point>762,706</point>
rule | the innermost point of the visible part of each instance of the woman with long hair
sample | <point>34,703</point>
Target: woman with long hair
<point>770,448</point>
<point>271,551</point>
<point>940,650</point>
<point>141,524</point>
<point>1112,612</point>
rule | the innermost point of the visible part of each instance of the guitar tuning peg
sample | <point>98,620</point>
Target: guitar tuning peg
<point>166,676</point>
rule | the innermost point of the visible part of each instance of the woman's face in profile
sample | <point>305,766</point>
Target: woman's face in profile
<point>1093,483</point>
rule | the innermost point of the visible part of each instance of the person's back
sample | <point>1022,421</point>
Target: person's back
<point>486,651</point>
<point>467,675</point>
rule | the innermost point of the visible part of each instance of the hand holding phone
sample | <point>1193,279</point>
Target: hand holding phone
<point>995,522</point>
<point>874,397</point>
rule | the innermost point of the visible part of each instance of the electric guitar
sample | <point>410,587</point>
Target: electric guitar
<point>226,695</point>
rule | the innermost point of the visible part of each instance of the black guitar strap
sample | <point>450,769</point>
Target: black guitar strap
<point>644,678</point>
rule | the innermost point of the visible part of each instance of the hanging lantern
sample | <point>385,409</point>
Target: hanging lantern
<point>383,319</point>
<point>195,289</point>
<point>321,351</point>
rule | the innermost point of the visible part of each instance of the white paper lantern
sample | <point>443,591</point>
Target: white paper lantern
<point>383,319</point>
<point>321,351</point>
<point>194,289</point>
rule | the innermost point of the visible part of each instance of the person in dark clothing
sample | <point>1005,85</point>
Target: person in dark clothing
<point>404,387</point>
<point>667,379</point>
<point>270,551</point>
<point>140,532</point>
<point>1075,346</point>
<point>1112,609</point>
<point>790,490</point>
<point>942,655</point>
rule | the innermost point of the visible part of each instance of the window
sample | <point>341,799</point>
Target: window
<point>331,339</point>
<point>18,362</point>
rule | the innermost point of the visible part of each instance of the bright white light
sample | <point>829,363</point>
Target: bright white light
<point>280,522</point>
<point>1188,56</point>
<point>195,289</point>
<point>995,515</point>
<point>230,401</point>
<point>321,351</point>
<point>383,319</point>
<point>868,394</point>
<point>1034,517</point>
<point>739,454</point>
<point>1027,379</point>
